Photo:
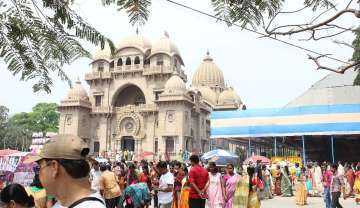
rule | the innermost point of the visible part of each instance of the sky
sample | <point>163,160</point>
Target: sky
<point>265,73</point>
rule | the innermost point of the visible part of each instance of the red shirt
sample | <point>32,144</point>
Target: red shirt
<point>199,176</point>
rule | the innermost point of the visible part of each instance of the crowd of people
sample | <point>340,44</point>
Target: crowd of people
<point>65,177</point>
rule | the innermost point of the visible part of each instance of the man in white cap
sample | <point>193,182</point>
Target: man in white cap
<point>64,172</point>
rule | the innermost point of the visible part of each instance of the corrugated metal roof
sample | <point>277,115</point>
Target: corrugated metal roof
<point>333,89</point>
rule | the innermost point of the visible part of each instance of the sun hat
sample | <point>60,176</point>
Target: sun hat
<point>62,146</point>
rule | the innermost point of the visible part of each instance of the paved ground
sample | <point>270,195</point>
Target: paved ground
<point>313,202</point>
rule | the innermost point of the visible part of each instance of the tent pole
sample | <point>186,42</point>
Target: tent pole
<point>332,149</point>
<point>303,149</point>
<point>249,147</point>
<point>275,149</point>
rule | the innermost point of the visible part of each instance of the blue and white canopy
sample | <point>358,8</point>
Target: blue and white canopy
<point>218,153</point>
<point>343,119</point>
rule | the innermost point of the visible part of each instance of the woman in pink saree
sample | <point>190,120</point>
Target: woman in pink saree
<point>231,179</point>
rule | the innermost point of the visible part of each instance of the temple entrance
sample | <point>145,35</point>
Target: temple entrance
<point>128,143</point>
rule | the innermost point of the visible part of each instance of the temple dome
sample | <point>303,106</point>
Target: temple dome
<point>102,54</point>
<point>136,41</point>
<point>208,94</point>
<point>175,84</point>
<point>166,46</point>
<point>77,92</point>
<point>229,96</point>
<point>208,74</point>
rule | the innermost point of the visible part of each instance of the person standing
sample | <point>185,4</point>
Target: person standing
<point>231,179</point>
<point>198,177</point>
<point>109,187</point>
<point>301,193</point>
<point>286,187</point>
<point>166,185</point>
<point>254,184</point>
<point>336,187</point>
<point>277,176</point>
<point>327,177</point>
<point>350,180</point>
<point>267,182</point>
<point>318,188</point>
<point>95,175</point>
<point>132,176</point>
<point>179,176</point>
<point>357,185</point>
<point>215,188</point>
<point>14,195</point>
<point>64,172</point>
<point>37,191</point>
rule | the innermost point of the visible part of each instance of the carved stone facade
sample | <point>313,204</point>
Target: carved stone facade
<point>138,100</point>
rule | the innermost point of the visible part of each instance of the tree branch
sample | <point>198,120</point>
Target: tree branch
<point>340,70</point>
<point>313,27</point>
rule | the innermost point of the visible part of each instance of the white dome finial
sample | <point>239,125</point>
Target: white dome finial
<point>208,57</point>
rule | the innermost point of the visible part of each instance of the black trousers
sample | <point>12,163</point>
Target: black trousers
<point>335,200</point>
<point>196,203</point>
<point>112,203</point>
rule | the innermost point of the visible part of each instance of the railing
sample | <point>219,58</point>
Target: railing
<point>140,108</point>
<point>97,75</point>
<point>157,70</point>
<point>102,109</point>
<point>85,103</point>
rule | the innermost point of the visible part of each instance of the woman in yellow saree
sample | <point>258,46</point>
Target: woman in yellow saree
<point>184,194</point>
<point>301,193</point>
<point>357,186</point>
<point>241,197</point>
<point>246,190</point>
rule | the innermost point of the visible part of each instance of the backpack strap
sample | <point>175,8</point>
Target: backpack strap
<point>86,199</point>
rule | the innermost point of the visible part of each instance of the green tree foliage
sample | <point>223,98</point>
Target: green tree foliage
<point>17,137</point>
<point>37,37</point>
<point>18,129</point>
<point>44,118</point>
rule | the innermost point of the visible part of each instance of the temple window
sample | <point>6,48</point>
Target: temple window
<point>169,145</point>
<point>119,62</point>
<point>98,100</point>
<point>137,60</point>
<point>128,61</point>
<point>159,60</point>
<point>100,66</point>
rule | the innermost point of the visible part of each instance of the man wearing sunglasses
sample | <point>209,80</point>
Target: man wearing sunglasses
<point>64,172</point>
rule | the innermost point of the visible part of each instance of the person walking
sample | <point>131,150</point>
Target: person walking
<point>166,185</point>
<point>327,178</point>
<point>64,172</point>
<point>336,187</point>
<point>198,177</point>
<point>215,188</point>
<point>109,187</point>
